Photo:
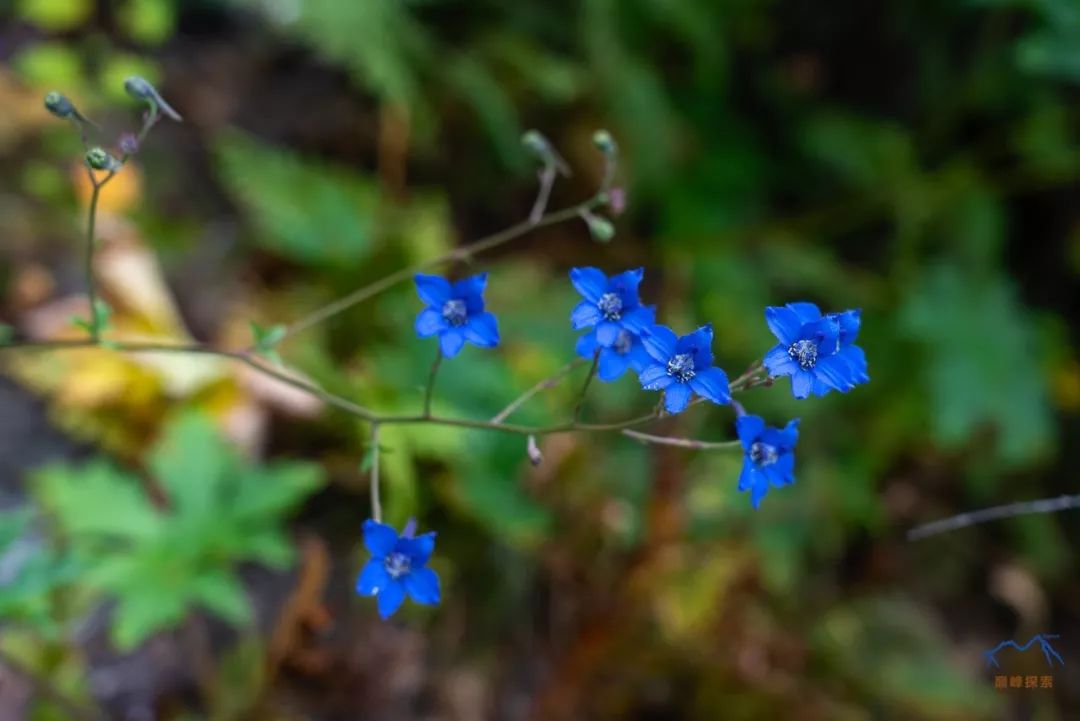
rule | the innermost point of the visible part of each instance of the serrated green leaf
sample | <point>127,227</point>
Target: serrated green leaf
<point>138,616</point>
<point>192,462</point>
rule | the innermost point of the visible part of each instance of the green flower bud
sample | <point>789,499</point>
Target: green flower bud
<point>604,142</point>
<point>99,159</point>
<point>600,228</point>
<point>141,89</point>
<point>59,105</point>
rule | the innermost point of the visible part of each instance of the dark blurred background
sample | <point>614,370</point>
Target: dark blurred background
<point>915,159</point>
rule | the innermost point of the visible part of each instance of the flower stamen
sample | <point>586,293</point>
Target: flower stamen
<point>398,564</point>
<point>454,312</point>
<point>682,367</point>
<point>805,352</point>
<point>763,454</point>
<point>610,304</point>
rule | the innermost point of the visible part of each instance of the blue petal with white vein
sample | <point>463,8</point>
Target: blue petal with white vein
<point>455,313</point>
<point>769,460</point>
<point>398,567</point>
<point>817,351</point>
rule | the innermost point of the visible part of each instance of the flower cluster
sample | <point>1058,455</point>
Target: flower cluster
<point>816,350</point>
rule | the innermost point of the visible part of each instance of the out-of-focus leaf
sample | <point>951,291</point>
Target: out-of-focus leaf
<point>49,65</point>
<point>983,361</point>
<point>304,210</point>
<point>55,15</point>
<point>148,21</point>
<point>98,501</point>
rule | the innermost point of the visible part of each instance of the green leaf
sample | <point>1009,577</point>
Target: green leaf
<point>139,615</point>
<point>220,592</point>
<point>191,461</point>
<point>97,501</point>
<point>264,493</point>
<point>301,209</point>
<point>56,15</point>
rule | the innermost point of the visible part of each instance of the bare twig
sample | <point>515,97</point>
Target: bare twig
<point>682,442</point>
<point>995,513</point>
<point>543,385</point>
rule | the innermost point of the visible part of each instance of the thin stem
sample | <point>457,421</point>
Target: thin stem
<point>995,513</point>
<point>547,182</point>
<point>585,386</point>
<point>682,442</point>
<point>549,382</point>
<point>91,224</point>
<point>431,382</point>
<point>492,241</point>
<point>376,504</point>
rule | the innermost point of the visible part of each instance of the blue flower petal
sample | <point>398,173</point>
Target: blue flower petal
<point>607,332</point>
<point>451,341</point>
<point>655,377</point>
<point>782,473</point>
<point>779,363</point>
<point>784,324</point>
<point>433,290</point>
<point>390,598</point>
<point>849,322</point>
<point>585,315</point>
<point>802,382</point>
<point>586,345</point>
<point>639,359</point>
<point>418,549</point>
<point>753,480</point>
<point>676,397</point>
<point>749,428</point>
<point>807,312</point>
<point>660,342</point>
<point>372,578</point>
<point>712,383</point>
<point>639,319</point>
<point>826,335</point>
<point>471,290</point>
<point>482,330</point>
<point>379,538</point>
<point>625,285</point>
<point>423,586</point>
<point>612,365</point>
<point>789,436</point>
<point>590,282</point>
<point>835,372</point>
<point>699,345</point>
<point>855,358</point>
<point>429,322</point>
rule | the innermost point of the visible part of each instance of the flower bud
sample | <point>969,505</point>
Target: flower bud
<point>604,142</point>
<point>601,228</point>
<point>535,456</point>
<point>99,159</point>
<point>59,105</point>
<point>141,89</point>
<point>539,146</point>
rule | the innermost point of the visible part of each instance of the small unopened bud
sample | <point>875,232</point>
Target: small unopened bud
<point>141,89</point>
<point>616,201</point>
<point>601,228</point>
<point>99,159</point>
<point>535,456</point>
<point>604,142</point>
<point>128,144</point>
<point>59,105</point>
<point>538,145</point>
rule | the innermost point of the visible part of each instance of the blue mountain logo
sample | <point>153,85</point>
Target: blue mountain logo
<point>1043,639</point>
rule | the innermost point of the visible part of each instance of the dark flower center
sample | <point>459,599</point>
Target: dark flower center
<point>805,352</point>
<point>681,366</point>
<point>453,311</point>
<point>763,454</point>
<point>623,342</point>
<point>610,305</point>
<point>398,564</point>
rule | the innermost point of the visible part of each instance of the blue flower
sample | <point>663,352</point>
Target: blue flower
<point>816,351</point>
<point>626,352</point>
<point>770,456</point>
<point>681,366</point>
<point>611,304</point>
<point>398,566</point>
<point>455,312</point>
